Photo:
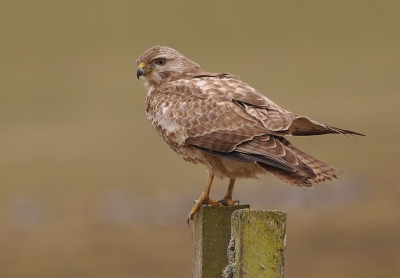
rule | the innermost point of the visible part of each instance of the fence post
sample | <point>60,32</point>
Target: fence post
<point>255,240</point>
<point>211,232</point>
<point>257,247</point>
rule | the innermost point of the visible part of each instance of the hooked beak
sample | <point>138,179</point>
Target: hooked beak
<point>140,70</point>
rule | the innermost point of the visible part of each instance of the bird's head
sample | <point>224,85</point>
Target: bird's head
<point>160,62</point>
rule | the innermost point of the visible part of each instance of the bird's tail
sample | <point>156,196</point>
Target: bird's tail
<point>322,170</point>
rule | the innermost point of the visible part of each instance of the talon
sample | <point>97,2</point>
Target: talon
<point>204,198</point>
<point>227,202</point>
<point>200,202</point>
<point>237,202</point>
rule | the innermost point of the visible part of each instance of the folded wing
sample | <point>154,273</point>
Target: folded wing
<point>230,119</point>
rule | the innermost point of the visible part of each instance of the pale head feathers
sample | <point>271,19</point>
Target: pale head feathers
<point>161,62</point>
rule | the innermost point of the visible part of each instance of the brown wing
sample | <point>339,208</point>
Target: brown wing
<point>223,116</point>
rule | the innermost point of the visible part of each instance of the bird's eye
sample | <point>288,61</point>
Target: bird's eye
<point>160,62</point>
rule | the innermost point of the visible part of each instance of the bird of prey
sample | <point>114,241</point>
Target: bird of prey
<point>221,122</point>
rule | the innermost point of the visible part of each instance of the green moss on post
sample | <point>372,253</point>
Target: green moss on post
<point>211,232</point>
<point>259,238</point>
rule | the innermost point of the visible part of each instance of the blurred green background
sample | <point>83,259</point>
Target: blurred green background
<point>88,189</point>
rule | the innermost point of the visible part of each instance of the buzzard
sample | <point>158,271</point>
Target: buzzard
<point>221,122</point>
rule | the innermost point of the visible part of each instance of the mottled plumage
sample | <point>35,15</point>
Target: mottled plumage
<point>221,122</point>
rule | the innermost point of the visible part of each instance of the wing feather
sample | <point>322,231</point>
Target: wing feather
<point>225,117</point>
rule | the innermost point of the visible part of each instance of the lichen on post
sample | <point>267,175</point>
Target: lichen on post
<point>259,237</point>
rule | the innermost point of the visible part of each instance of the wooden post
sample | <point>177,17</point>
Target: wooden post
<point>257,247</point>
<point>211,232</point>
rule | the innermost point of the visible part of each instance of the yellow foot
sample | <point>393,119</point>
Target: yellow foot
<point>199,203</point>
<point>207,201</point>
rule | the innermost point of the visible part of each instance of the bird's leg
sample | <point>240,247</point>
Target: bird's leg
<point>204,198</point>
<point>227,200</point>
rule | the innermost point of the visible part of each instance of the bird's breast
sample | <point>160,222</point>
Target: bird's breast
<point>161,114</point>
